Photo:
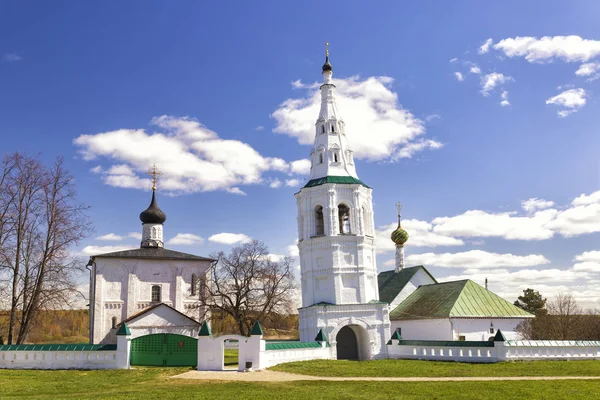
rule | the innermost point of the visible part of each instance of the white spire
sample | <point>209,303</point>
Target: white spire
<point>331,155</point>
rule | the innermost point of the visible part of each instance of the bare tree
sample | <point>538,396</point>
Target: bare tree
<point>249,285</point>
<point>42,223</point>
<point>565,317</point>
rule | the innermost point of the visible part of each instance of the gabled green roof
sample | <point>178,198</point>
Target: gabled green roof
<point>320,336</point>
<point>391,282</point>
<point>123,330</point>
<point>396,335</point>
<point>334,179</point>
<point>204,330</point>
<point>256,329</point>
<point>455,299</point>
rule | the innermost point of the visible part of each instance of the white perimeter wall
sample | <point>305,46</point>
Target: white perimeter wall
<point>424,329</point>
<point>474,329</point>
<point>21,359</point>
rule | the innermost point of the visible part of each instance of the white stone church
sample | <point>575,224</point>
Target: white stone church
<point>154,290</point>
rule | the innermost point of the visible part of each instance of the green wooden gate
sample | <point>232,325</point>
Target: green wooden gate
<point>164,350</point>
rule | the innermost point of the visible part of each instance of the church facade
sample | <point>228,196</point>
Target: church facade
<point>130,286</point>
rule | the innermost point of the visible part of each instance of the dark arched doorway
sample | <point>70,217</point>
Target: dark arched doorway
<point>347,346</point>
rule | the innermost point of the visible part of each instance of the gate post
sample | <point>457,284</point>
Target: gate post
<point>206,349</point>
<point>123,347</point>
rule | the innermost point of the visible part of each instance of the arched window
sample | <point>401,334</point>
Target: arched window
<point>156,295</point>
<point>335,157</point>
<point>321,157</point>
<point>319,221</point>
<point>322,128</point>
<point>194,289</point>
<point>344,219</point>
<point>114,322</point>
<point>154,232</point>
<point>332,128</point>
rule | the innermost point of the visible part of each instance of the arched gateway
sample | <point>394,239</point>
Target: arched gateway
<point>346,344</point>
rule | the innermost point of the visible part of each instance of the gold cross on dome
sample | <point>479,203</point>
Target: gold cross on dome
<point>399,206</point>
<point>154,173</point>
<point>326,49</point>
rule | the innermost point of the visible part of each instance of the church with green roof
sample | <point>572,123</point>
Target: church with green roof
<point>421,308</point>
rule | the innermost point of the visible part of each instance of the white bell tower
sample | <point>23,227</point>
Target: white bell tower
<point>336,234</point>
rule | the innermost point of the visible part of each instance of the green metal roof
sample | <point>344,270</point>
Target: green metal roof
<point>205,330</point>
<point>391,282</point>
<point>334,179</point>
<point>454,299</point>
<point>320,336</point>
<point>445,343</point>
<point>293,345</point>
<point>256,329</point>
<point>58,347</point>
<point>123,330</point>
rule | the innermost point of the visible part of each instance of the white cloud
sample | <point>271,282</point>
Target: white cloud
<point>504,96</point>
<point>96,250</point>
<point>568,48</point>
<point>534,204</point>
<point>584,199</point>
<point>485,47</point>
<point>377,127</point>
<point>229,238</point>
<point>577,220</point>
<point>459,76</point>
<point>293,250</point>
<point>490,81</point>
<point>12,57</point>
<point>191,157</point>
<point>186,239</point>
<point>110,237</point>
<point>571,100</point>
<point>300,167</point>
<point>475,69</point>
<point>478,223</point>
<point>420,235</point>
<point>453,60</point>
<point>589,69</point>
<point>259,128</point>
<point>476,259</point>
<point>589,261</point>
<point>275,183</point>
<point>236,190</point>
<point>135,235</point>
<point>412,148</point>
<point>292,182</point>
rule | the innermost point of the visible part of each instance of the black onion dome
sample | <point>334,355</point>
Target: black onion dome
<point>327,66</point>
<point>153,214</point>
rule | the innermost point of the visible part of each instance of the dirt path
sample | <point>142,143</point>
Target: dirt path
<point>273,376</point>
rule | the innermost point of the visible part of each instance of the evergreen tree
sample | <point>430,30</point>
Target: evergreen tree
<point>533,302</point>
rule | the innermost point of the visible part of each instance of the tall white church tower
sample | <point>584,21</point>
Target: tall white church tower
<point>337,244</point>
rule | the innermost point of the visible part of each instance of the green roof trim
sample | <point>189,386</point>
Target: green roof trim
<point>205,330</point>
<point>396,335</point>
<point>499,336</point>
<point>58,347</point>
<point>391,282</point>
<point>455,299</point>
<point>123,330</point>
<point>345,180</point>
<point>445,343</point>
<point>256,329</point>
<point>320,336</point>
<point>293,345</point>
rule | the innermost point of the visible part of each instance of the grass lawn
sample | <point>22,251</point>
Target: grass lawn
<point>154,383</point>
<point>440,368</point>
<point>231,357</point>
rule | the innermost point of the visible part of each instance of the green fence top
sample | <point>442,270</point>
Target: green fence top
<point>293,345</point>
<point>445,343</point>
<point>58,347</point>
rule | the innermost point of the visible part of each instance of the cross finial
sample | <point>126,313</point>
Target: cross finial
<point>154,173</point>
<point>326,49</point>
<point>399,207</point>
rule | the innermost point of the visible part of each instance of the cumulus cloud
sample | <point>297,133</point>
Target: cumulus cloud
<point>275,183</point>
<point>490,81</point>
<point>485,47</point>
<point>591,70</point>
<point>504,99</point>
<point>230,238</point>
<point>475,69</point>
<point>135,235</point>
<point>570,101</point>
<point>453,60</point>
<point>191,157</point>
<point>300,167</point>
<point>567,48</point>
<point>97,250</point>
<point>186,239</point>
<point>459,76</point>
<point>377,126</point>
<point>534,204</point>
<point>420,235</point>
<point>293,250</point>
<point>110,237</point>
<point>292,182</point>
<point>476,259</point>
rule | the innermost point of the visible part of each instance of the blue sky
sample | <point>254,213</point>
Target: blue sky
<point>222,98</point>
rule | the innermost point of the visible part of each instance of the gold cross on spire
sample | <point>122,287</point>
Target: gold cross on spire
<point>326,49</point>
<point>154,173</point>
<point>399,206</point>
